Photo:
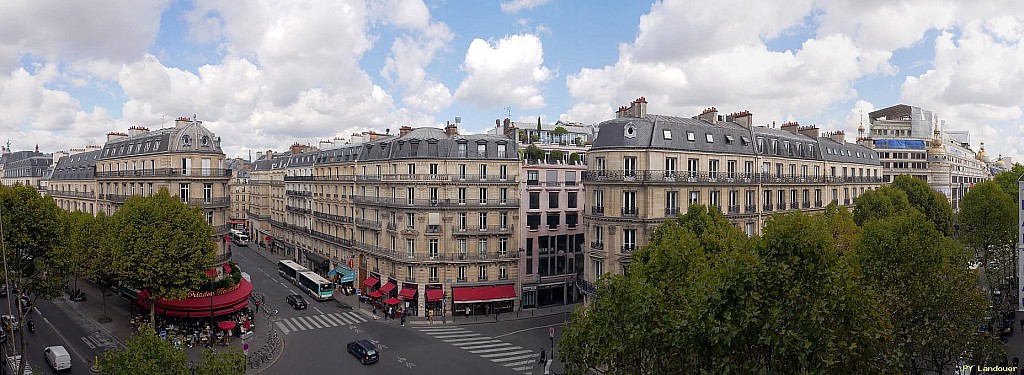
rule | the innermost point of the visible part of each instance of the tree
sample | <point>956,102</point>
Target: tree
<point>879,203</point>
<point>533,152</point>
<point>703,298</point>
<point>932,299</point>
<point>556,155</point>
<point>840,224</point>
<point>561,132</point>
<point>160,245</point>
<point>33,232</point>
<point>145,353</point>
<point>988,219</point>
<point>230,361</point>
<point>933,204</point>
<point>574,158</point>
<point>1007,180</point>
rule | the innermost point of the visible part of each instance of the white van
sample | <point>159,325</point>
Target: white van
<point>58,358</point>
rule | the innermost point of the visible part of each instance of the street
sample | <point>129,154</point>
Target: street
<point>316,338</point>
<point>55,326</point>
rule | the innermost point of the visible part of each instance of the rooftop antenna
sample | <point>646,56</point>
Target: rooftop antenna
<point>508,112</point>
<point>162,120</point>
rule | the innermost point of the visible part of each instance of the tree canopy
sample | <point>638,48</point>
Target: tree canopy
<point>703,298</point>
<point>161,245</point>
<point>1007,180</point>
<point>933,204</point>
<point>988,219</point>
<point>879,203</point>
<point>933,300</point>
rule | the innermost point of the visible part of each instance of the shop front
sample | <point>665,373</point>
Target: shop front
<point>408,295</point>
<point>317,263</point>
<point>484,299</point>
<point>223,301</point>
<point>434,300</point>
<point>344,277</point>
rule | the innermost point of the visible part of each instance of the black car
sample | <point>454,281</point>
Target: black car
<point>365,351</point>
<point>296,301</point>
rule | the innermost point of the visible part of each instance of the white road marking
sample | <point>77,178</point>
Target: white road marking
<point>481,338</point>
<point>513,358</point>
<point>456,336</point>
<point>498,343</point>
<point>494,350</point>
<point>506,354</point>
<point>318,310</point>
<point>282,327</point>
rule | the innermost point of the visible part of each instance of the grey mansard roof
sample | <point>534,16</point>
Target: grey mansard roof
<point>424,143</point>
<point>36,163</point>
<point>689,134</point>
<point>80,166</point>
<point>192,137</point>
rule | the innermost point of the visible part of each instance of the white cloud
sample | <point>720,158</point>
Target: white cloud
<point>406,68</point>
<point>508,72</point>
<point>518,5</point>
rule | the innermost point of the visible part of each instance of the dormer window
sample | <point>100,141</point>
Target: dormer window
<point>186,140</point>
<point>667,134</point>
<point>156,145</point>
<point>709,137</point>
<point>690,137</point>
<point>629,131</point>
<point>729,139</point>
<point>206,141</point>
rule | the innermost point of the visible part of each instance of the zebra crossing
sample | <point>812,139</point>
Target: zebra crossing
<point>303,323</point>
<point>497,351</point>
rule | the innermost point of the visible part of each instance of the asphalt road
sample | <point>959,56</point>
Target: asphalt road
<point>54,326</point>
<point>316,338</point>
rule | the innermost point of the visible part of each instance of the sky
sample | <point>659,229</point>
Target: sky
<point>263,74</point>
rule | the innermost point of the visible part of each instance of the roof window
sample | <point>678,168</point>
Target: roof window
<point>667,133</point>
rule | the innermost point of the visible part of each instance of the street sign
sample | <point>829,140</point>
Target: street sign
<point>551,332</point>
<point>245,346</point>
<point>163,334</point>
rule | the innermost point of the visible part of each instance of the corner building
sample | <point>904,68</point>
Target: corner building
<point>426,218</point>
<point>644,169</point>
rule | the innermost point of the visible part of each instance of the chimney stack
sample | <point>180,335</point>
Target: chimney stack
<point>810,131</point>
<point>838,136</point>
<point>639,107</point>
<point>791,127</point>
<point>270,154</point>
<point>113,136</point>
<point>373,135</point>
<point>402,131</point>
<point>451,129</point>
<point>743,118</point>
<point>181,122</point>
<point>710,115</point>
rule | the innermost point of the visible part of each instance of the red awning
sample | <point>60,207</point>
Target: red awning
<point>370,281</point>
<point>434,295</point>
<point>227,268</point>
<point>392,301</point>
<point>387,288</point>
<point>211,272</point>
<point>376,294</point>
<point>407,293</point>
<point>226,325</point>
<point>200,306</point>
<point>470,294</point>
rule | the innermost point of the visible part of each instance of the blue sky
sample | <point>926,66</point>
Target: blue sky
<point>263,74</point>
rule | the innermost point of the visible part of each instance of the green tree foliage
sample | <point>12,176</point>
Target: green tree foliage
<point>80,252</point>
<point>839,223</point>
<point>880,203</point>
<point>231,361</point>
<point>557,155</point>
<point>1007,180</point>
<point>932,299</point>
<point>988,219</point>
<point>933,204</point>
<point>533,152</point>
<point>145,353</point>
<point>702,298</point>
<point>161,245</point>
<point>561,132</point>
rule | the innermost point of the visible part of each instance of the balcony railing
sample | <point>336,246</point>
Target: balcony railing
<point>597,210</point>
<point>298,178</point>
<point>332,217</point>
<point>806,204</point>
<point>221,258</point>
<point>297,209</point>
<point>629,211</point>
<point>221,229</point>
<point>671,211</point>
<point>210,202</point>
<point>767,207</point>
<point>166,172</point>
<point>72,194</point>
<point>794,205</point>
<point>781,206</point>
<point>734,209</point>
<point>297,193</point>
<point>750,208</point>
<point>585,286</point>
<point>846,201</point>
<point>440,203</point>
<point>441,257</point>
<point>628,249</point>
<point>661,176</point>
<point>597,245</point>
<point>368,224</point>
<point>483,230</point>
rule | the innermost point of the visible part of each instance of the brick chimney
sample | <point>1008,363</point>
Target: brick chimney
<point>838,136</point>
<point>181,122</point>
<point>402,131</point>
<point>113,136</point>
<point>373,135</point>
<point>744,119</point>
<point>639,107</point>
<point>621,112</point>
<point>710,115</point>
<point>270,154</point>
<point>451,129</point>
<point>809,131</point>
<point>791,127</point>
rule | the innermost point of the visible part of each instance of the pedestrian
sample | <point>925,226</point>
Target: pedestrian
<point>403,320</point>
<point>257,306</point>
<point>374,312</point>
<point>496,313</point>
<point>467,311</point>
<point>543,357</point>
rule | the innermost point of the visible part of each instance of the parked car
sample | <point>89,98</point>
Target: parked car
<point>9,322</point>
<point>296,301</point>
<point>364,351</point>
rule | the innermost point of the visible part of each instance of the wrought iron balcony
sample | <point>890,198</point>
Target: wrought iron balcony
<point>767,207</point>
<point>734,209</point>
<point>597,245</point>
<point>628,249</point>
<point>671,211</point>
<point>794,205</point>
<point>629,211</point>
<point>750,208</point>
<point>72,194</point>
<point>597,210</point>
<point>484,230</point>
<point>166,172</point>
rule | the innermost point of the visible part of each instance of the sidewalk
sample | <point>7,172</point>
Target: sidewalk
<point>115,330</point>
